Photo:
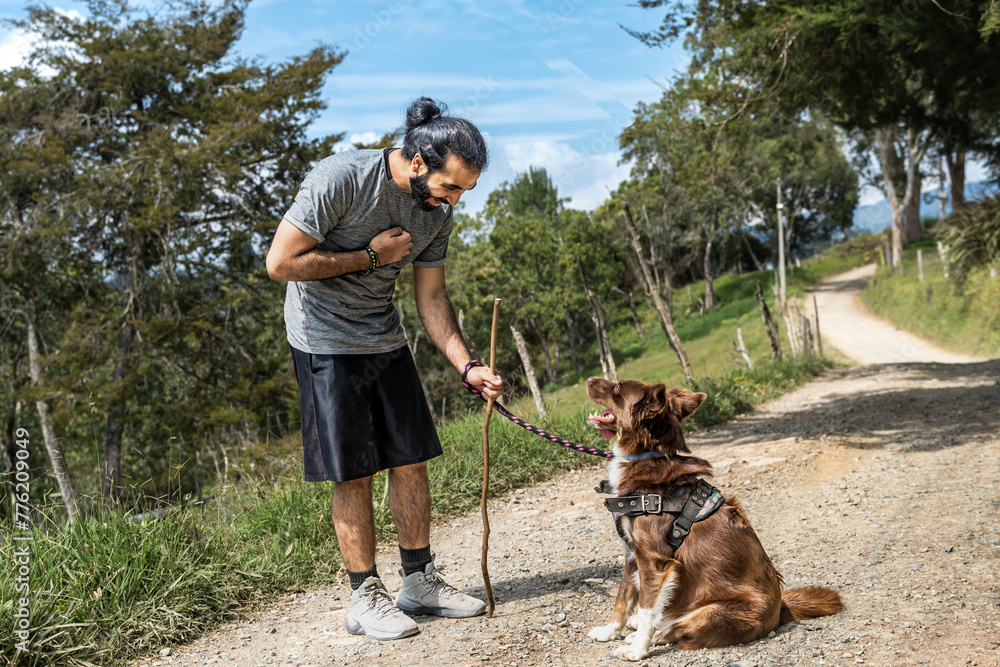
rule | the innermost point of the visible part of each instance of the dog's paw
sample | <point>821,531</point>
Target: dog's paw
<point>629,638</point>
<point>603,633</point>
<point>631,653</point>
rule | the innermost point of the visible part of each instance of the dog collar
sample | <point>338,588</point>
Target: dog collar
<point>644,455</point>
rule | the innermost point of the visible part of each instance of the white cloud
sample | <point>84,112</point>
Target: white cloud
<point>356,138</point>
<point>16,45</point>
<point>869,195</point>
<point>14,48</point>
<point>587,179</point>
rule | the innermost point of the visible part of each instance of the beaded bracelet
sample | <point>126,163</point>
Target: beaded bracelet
<point>468,367</point>
<point>374,257</point>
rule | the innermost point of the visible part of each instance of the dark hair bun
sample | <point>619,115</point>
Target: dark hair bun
<point>423,111</point>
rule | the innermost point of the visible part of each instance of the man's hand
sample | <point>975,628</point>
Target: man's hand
<point>482,380</point>
<point>392,245</point>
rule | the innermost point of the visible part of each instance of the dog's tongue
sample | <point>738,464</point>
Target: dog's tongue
<point>605,432</point>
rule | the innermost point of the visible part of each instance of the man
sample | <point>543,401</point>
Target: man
<point>359,217</point>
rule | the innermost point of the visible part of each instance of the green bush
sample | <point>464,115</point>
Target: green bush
<point>972,238</point>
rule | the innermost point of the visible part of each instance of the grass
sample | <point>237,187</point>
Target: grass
<point>965,319</point>
<point>107,591</point>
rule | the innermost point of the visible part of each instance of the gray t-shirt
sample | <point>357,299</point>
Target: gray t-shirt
<point>344,202</point>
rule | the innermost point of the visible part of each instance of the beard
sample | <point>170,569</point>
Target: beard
<point>421,193</point>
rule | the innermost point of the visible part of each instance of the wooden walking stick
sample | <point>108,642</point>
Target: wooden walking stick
<point>486,465</point>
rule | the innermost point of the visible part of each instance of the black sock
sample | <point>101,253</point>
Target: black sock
<point>414,560</point>
<point>358,578</point>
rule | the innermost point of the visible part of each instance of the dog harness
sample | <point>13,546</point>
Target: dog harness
<point>691,502</point>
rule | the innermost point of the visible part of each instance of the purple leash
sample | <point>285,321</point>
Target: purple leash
<point>525,425</point>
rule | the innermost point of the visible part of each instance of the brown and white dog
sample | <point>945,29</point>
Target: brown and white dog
<point>719,588</point>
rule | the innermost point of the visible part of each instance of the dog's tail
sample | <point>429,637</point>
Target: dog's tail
<point>798,604</point>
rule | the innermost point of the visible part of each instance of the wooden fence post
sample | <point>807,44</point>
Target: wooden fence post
<point>769,324</point>
<point>819,339</point>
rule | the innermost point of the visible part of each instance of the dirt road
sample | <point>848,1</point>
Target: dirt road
<point>863,337</point>
<point>878,480</point>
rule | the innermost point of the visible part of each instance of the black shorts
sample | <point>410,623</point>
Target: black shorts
<point>362,413</point>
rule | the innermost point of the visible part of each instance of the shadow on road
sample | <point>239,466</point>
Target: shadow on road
<point>950,404</point>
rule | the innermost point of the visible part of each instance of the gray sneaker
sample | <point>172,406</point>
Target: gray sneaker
<point>373,613</point>
<point>427,593</point>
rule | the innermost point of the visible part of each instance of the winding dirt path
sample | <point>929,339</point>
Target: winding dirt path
<point>848,326</point>
<point>879,480</point>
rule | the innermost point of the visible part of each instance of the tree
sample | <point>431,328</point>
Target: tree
<point>526,238</point>
<point>177,159</point>
<point>715,175</point>
<point>921,75</point>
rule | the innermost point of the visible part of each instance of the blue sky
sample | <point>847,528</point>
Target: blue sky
<point>550,83</point>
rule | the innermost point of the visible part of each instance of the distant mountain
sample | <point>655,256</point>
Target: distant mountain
<point>877,217</point>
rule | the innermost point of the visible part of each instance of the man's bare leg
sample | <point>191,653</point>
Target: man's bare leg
<point>424,591</point>
<point>354,523</point>
<point>373,612</point>
<point>410,503</point>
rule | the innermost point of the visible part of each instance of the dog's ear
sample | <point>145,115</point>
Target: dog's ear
<point>652,403</point>
<point>685,402</point>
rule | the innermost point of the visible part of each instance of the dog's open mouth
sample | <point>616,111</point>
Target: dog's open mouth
<point>602,422</point>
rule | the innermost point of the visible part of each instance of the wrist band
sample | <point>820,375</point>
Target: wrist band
<point>468,367</point>
<point>373,256</point>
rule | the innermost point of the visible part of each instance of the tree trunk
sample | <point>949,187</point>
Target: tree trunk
<point>606,339</point>
<point>112,463</point>
<point>550,372</point>
<point>707,268</point>
<point>914,227</point>
<point>741,347</point>
<point>914,148</point>
<point>529,371</point>
<point>636,322</point>
<point>753,257</point>
<point>603,341</point>
<point>7,511</point>
<point>956,173</point>
<point>53,447</point>
<point>605,371</point>
<point>769,324</point>
<point>652,250</point>
<point>572,337</point>
<point>666,317</point>
<point>599,317</point>
<point>111,466</point>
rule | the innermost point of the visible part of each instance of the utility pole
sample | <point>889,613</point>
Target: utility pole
<point>942,197</point>
<point>781,256</point>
